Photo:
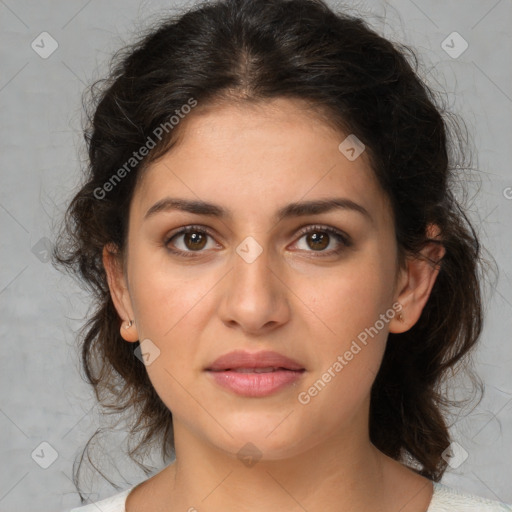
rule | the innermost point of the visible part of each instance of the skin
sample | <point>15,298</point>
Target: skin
<point>253,160</point>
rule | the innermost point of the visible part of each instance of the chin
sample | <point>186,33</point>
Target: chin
<point>268,438</point>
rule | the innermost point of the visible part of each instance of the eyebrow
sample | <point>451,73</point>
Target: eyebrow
<point>297,209</point>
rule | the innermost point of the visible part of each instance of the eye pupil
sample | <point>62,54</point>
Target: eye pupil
<point>198,240</point>
<point>320,240</point>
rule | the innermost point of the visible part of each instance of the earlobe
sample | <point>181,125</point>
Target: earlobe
<point>416,282</point>
<point>119,292</point>
<point>129,331</point>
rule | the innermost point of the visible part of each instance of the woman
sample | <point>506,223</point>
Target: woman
<point>283,274</point>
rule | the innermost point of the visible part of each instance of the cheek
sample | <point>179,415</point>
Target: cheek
<point>169,305</point>
<point>166,310</point>
<point>348,355</point>
<point>165,298</point>
<point>348,332</point>
<point>348,300</point>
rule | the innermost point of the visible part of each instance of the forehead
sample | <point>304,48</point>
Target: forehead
<point>254,157</point>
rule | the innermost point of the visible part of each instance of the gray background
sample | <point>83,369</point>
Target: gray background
<point>43,397</point>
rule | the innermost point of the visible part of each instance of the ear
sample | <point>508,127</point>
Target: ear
<point>416,282</point>
<point>119,292</point>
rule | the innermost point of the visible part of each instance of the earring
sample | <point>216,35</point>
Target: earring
<point>400,317</point>
<point>128,325</point>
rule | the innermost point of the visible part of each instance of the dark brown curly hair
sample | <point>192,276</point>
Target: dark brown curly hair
<point>255,50</point>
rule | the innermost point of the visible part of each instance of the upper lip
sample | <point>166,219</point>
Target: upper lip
<point>263,359</point>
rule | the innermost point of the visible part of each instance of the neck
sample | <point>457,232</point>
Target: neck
<point>336,475</point>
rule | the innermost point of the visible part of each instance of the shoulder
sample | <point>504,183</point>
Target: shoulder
<point>447,499</point>
<point>113,504</point>
<point>444,499</point>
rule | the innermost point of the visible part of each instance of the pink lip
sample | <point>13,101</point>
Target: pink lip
<point>255,374</point>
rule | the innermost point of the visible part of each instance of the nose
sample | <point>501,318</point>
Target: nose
<point>255,298</point>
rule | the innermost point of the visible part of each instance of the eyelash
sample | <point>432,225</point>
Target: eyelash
<point>340,237</point>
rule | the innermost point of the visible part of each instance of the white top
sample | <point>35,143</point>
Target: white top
<point>444,499</point>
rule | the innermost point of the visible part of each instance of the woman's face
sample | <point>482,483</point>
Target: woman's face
<point>255,282</point>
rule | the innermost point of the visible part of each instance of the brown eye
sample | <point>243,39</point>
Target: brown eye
<point>317,241</point>
<point>188,241</point>
<point>194,240</point>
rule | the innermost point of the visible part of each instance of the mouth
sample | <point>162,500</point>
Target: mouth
<point>256,374</point>
<point>255,370</point>
<point>263,361</point>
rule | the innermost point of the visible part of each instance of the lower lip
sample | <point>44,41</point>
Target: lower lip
<point>256,384</point>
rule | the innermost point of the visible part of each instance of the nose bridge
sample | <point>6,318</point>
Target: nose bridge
<point>252,270</point>
<point>254,296</point>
